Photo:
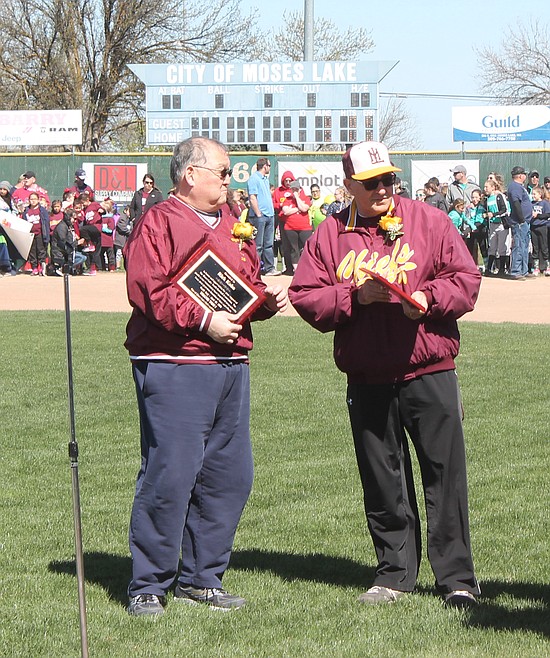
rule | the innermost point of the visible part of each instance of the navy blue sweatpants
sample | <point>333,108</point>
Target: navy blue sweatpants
<point>196,472</point>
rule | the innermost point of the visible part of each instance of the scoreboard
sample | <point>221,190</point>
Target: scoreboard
<point>262,102</point>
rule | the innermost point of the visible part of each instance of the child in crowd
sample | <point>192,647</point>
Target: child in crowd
<point>107,242</point>
<point>540,225</point>
<point>56,214</point>
<point>39,219</point>
<point>477,214</point>
<point>464,225</point>
<point>498,210</point>
<point>122,231</point>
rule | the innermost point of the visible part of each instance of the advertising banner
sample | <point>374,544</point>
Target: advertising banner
<point>328,175</point>
<point>118,180</point>
<point>501,123</point>
<point>41,127</point>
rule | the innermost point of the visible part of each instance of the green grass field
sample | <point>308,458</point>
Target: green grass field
<point>302,554</point>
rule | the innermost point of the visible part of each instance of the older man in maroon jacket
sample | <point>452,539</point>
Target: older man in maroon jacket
<point>191,372</point>
<point>397,342</point>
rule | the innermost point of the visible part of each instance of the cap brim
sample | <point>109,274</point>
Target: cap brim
<point>372,173</point>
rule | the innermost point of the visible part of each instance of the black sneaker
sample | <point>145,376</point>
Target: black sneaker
<point>216,598</point>
<point>146,604</point>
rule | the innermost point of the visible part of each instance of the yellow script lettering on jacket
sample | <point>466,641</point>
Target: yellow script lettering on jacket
<point>392,267</point>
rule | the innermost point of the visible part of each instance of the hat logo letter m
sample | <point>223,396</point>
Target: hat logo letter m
<point>375,156</point>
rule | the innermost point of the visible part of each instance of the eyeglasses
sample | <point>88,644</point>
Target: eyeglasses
<point>222,173</point>
<point>148,182</point>
<point>371,184</point>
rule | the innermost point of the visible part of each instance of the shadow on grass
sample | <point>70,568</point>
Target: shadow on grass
<point>112,572</point>
<point>528,610</point>
<point>525,606</point>
<point>314,567</point>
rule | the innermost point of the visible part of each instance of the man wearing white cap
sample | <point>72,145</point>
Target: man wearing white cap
<point>398,354</point>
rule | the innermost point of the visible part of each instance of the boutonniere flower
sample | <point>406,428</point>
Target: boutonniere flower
<point>391,225</point>
<point>243,232</point>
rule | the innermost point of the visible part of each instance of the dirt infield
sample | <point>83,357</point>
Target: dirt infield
<point>500,300</point>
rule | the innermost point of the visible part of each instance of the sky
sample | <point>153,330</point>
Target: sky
<point>435,46</point>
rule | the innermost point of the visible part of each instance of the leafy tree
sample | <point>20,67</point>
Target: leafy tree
<point>73,54</point>
<point>518,71</point>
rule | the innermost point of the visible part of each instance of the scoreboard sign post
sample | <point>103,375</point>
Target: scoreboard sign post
<point>262,102</point>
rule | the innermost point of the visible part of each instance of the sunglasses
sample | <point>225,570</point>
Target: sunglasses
<point>222,173</point>
<point>371,184</point>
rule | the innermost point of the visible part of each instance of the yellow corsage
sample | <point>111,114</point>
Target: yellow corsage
<point>242,232</point>
<point>391,225</point>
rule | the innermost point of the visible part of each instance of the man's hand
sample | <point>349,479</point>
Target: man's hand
<point>411,311</point>
<point>276,298</point>
<point>371,291</point>
<point>223,329</point>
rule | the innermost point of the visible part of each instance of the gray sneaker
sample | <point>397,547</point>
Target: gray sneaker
<point>146,604</point>
<point>459,598</point>
<point>377,594</point>
<point>216,598</point>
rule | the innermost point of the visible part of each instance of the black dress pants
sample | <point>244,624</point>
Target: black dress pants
<point>429,409</point>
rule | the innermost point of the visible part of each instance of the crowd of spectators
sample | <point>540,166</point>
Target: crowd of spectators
<point>505,227</point>
<point>79,232</point>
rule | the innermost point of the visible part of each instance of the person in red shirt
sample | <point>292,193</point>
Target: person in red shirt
<point>38,216</point>
<point>107,242</point>
<point>196,466</point>
<point>21,194</point>
<point>79,186</point>
<point>90,229</point>
<point>235,203</point>
<point>56,214</point>
<point>292,204</point>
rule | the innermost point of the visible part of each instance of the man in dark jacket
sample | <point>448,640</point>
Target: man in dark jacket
<point>64,243</point>
<point>520,218</point>
<point>397,341</point>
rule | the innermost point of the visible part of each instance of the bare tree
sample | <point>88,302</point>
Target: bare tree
<point>330,42</point>
<point>397,127</point>
<point>75,56</point>
<point>518,72</point>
